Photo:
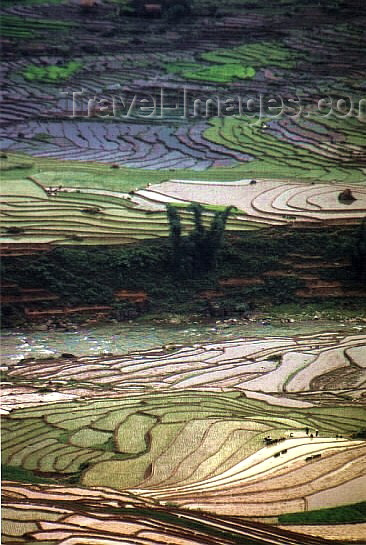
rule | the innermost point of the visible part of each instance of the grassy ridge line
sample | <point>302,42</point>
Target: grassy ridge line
<point>101,176</point>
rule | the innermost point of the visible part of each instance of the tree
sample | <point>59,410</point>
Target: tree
<point>214,239</point>
<point>197,237</point>
<point>199,251</point>
<point>178,10</point>
<point>359,253</point>
<point>175,228</point>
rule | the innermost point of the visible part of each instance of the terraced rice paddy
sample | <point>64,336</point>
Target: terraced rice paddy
<point>191,448</point>
<point>201,449</point>
<point>90,216</point>
<point>312,148</point>
<point>293,371</point>
<point>134,145</point>
<point>76,216</point>
<point>182,444</point>
<point>15,27</point>
<point>298,63</point>
<point>74,516</point>
<point>270,202</point>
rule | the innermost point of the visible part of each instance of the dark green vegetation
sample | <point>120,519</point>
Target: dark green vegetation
<point>198,252</point>
<point>14,473</point>
<point>345,514</point>
<point>359,254</point>
<point>91,275</point>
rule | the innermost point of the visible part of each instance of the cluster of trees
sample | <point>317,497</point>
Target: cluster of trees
<point>199,251</point>
<point>174,271</point>
<point>359,252</point>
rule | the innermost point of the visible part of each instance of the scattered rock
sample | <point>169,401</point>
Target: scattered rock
<point>346,197</point>
<point>175,320</point>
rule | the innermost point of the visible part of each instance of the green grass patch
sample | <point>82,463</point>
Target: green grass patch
<point>219,73</point>
<point>345,514</point>
<point>22,188</point>
<point>100,176</point>
<point>225,73</point>
<point>51,73</point>
<point>258,55</point>
<point>236,63</point>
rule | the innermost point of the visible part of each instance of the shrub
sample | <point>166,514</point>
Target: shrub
<point>15,230</point>
<point>177,11</point>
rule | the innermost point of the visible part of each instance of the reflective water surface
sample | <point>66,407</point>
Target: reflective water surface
<point>127,337</point>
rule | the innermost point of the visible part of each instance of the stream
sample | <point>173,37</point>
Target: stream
<point>128,337</point>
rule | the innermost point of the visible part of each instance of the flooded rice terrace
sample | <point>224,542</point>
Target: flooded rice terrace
<point>129,337</point>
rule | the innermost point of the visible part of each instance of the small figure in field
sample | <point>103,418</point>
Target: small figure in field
<point>316,433</point>
<point>307,431</point>
<point>311,436</point>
